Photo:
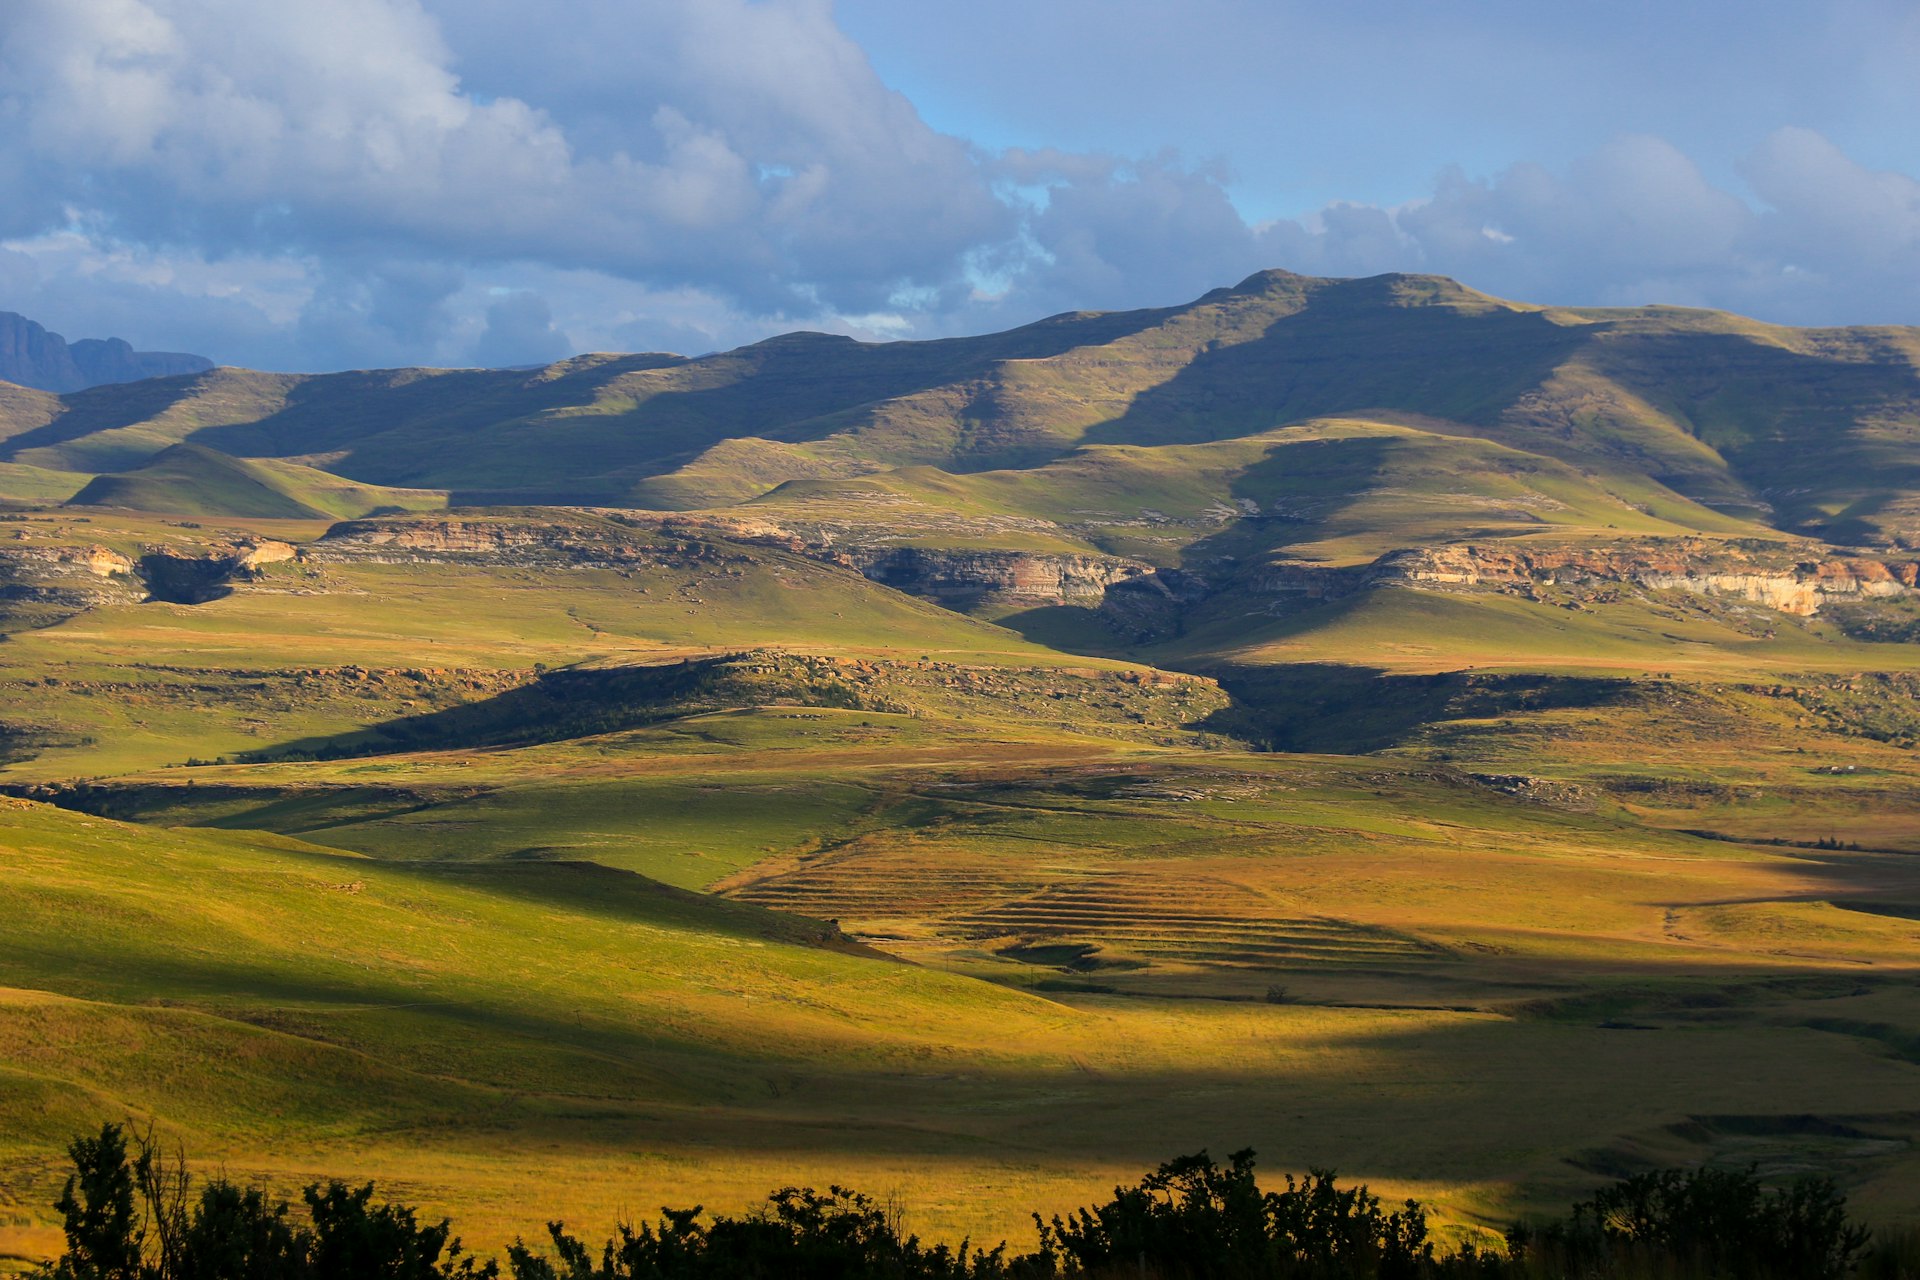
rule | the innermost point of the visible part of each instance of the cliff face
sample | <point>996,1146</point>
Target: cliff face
<point>1773,577</point>
<point>184,577</point>
<point>950,576</point>
<point>1010,576</point>
<point>33,357</point>
<point>586,544</point>
<point>39,584</point>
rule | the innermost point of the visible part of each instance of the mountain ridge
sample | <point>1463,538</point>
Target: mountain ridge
<point>1814,432</point>
<point>33,356</point>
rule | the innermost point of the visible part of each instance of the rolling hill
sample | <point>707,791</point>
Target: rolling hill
<point>1809,431</point>
<point>1464,742</point>
<point>188,479</point>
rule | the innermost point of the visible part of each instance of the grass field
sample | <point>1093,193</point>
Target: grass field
<point>1076,930</point>
<point>291,1010</point>
<point>571,862</point>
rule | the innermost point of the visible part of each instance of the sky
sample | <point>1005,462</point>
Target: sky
<point>286,184</point>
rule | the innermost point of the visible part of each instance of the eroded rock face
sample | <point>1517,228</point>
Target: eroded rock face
<point>1771,576</point>
<point>67,577</point>
<point>186,577</point>
<point>454,540</point>
<point>630,538</point>
<point>949,575</point>
<point>1011,576</point>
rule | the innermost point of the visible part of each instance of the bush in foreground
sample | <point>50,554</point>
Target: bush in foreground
<point>129,1213</point>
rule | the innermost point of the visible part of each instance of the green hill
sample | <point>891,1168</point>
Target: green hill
<point>1812,431</point>
<point>187,479</point>
<point>1467,742</point>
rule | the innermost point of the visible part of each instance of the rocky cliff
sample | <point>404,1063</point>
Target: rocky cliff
<point>31,356</point>
<point>955,575</point>
<point>1795,579</point>
<point>568,541</point>
<point>41,584</point>
<point>620,539</point>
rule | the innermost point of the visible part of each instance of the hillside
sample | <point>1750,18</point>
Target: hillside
<point>187,479</point>
<point>1807,431</point>
<point>1469,743</point>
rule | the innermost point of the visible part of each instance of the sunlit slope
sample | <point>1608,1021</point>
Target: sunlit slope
<point>456,1029</point>
<point>311,648</point>
<point>188,479</point>
<point>120,426</point>
<point>1816,431</point>
<point>1411,629</point>
<point>1338,491</point>
<point>35,486</point>
<point>24,408</point>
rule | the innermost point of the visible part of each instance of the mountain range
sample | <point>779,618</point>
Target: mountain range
<point>30,356</point>
<point>1467,743</point>
<point>1813,432</point>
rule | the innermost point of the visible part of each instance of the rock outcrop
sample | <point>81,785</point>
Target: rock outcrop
<point>551,543</point>
<point>1014,577</point>
<point>33,357</point>
<point>957,576</point>
<point>624,539</point>
<point>187,577</point>
<point>1790,579</point>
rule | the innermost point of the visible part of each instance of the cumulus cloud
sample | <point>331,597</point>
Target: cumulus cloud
<point>520,331</point>
<point>460,181</point>
<point>773,162</point>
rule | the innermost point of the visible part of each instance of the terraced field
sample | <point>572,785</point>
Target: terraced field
<point>1084,917</point>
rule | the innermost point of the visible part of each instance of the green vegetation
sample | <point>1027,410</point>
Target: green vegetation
<point>189,480</point>
<point>1466,742</point>
<point>139,1218</point>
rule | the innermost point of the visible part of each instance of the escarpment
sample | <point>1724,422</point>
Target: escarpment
<point>40,585</point>
<point>1012,576</point>
<point>195,577</point>
<point>68,578</point>
<point>618,540</point>
<point>1785,578</point>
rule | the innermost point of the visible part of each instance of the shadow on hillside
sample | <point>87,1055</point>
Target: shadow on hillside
<point>583,702</point>
<point>1346,352</point>
<point>1413,1096</point>
<point>1352,710</point>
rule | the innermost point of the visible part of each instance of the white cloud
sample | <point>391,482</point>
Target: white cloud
<point>291,184</point>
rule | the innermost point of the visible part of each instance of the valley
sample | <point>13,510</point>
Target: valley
<point>1463,743</point>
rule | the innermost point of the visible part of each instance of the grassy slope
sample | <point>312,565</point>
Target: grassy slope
<point>664,1048</point>
<point>138,685</point>
<point>1488,988</point>
<point>1717,408</point>
<point>187,479</point>
<point>34,486</point>
<point>1330,490</point>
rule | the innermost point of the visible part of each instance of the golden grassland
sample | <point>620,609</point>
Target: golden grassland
<point>1078,925</point>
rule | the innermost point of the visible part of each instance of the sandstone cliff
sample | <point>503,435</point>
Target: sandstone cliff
<point>1790,578</point>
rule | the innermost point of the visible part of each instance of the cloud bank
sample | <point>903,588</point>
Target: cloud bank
<point>485,181</point>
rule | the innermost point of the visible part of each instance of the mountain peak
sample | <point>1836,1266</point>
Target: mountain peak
<point>33,356</point>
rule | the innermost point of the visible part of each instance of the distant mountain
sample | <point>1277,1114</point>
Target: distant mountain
<point>31,356</point>
<point>1702,418</point>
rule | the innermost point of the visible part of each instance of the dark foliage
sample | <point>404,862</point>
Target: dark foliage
<point>799,1235</point>
<point>1708,1222</point>
<point>1194,1218</point>
<point>134,1215</point>
<point>135,1219</point>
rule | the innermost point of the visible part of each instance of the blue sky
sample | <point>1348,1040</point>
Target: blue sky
<point>382,182</point>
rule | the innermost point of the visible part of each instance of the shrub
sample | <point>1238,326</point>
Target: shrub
<point>1709,1222</point>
